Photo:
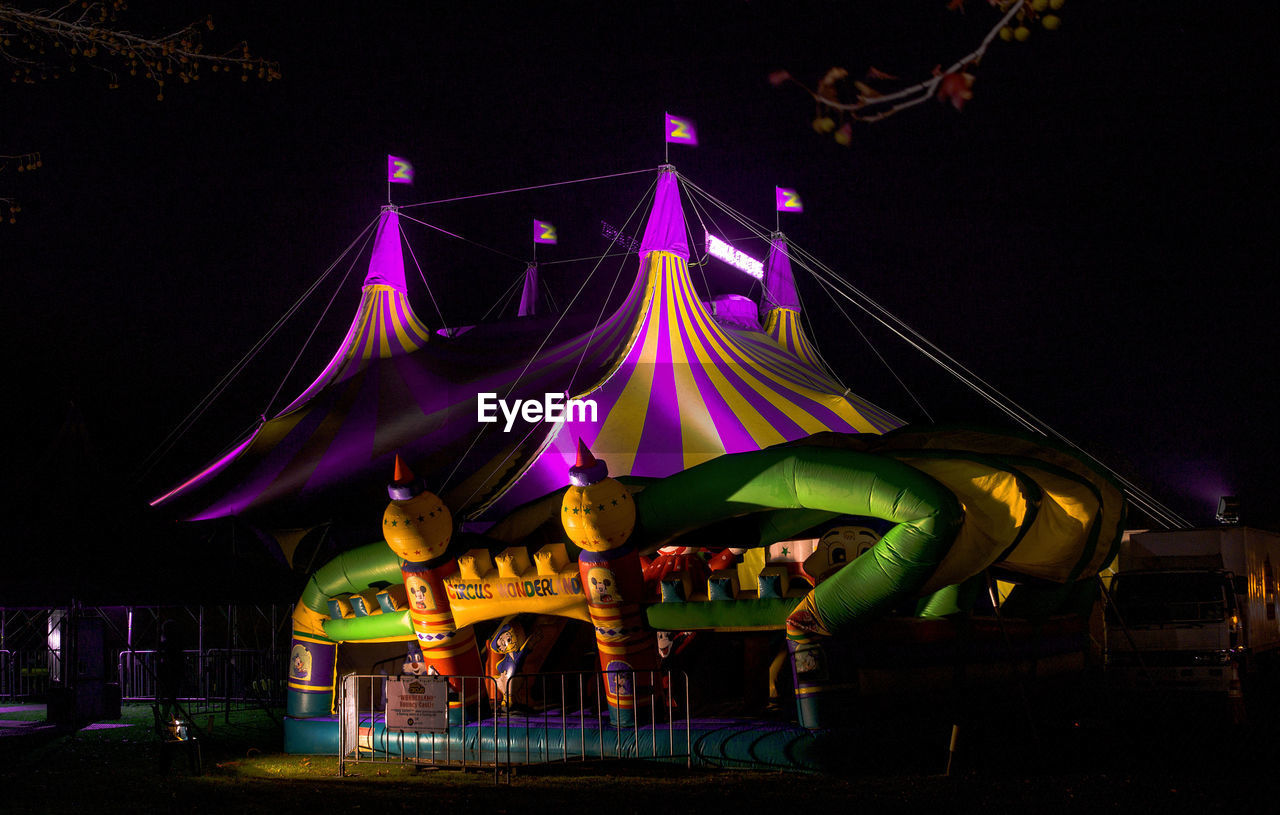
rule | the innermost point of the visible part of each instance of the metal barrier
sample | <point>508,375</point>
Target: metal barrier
<point>24,674</point>
<point>539,719</point>
<point>217,679</point>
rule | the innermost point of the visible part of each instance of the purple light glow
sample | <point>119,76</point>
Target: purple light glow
<point>207,471</point>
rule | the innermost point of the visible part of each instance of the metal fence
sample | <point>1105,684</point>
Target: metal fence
<point>542,719</point>
<point>24,674</point>
<point>216,679</point>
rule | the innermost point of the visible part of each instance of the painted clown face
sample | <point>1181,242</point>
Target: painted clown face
<point>602,586</point>
<point>837,547</point>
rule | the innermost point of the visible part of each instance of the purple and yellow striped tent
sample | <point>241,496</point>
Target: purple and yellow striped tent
<point>672,385</point>
<point>685,388</point>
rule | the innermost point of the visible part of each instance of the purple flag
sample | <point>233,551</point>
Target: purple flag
<point>399,171</point>
<point>787,200</point>
<point>681,131</point>
<point>543,232</point>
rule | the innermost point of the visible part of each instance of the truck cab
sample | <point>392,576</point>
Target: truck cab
<point>1175,628</point>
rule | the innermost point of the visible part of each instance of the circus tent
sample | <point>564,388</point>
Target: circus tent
<point>675,383</point>
<point>687,388</point>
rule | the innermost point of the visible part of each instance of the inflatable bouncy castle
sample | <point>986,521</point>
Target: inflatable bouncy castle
<point>673,470</point>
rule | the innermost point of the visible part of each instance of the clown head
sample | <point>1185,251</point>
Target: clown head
<point>836,547</point>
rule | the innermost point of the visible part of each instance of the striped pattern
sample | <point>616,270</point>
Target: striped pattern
<point>783,326</point>
<point>673,388</point>
<point>385,326</point>
<point>687,390</point>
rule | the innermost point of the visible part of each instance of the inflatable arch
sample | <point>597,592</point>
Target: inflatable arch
<point>956,505</point>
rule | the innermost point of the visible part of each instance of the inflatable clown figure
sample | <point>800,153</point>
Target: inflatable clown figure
<point>599,514</point>
<point>418,526</point>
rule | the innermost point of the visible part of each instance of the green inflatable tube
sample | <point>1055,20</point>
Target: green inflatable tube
<point>927,516</point>
<point>783,487</point>
<point>372,627</point>
<point>352,572</point>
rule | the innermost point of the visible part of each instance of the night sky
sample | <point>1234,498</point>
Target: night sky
<point>1087,235</point>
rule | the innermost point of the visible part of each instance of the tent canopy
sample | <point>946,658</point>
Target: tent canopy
<point>672,387</point>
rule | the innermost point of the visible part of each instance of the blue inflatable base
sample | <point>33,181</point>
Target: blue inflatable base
<point>711,743</point>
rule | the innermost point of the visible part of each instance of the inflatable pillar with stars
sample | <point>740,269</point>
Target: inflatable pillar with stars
<point>417,526</point>
<point>599,514</point>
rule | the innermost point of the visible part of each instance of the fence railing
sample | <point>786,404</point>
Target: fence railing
<point>212,680</point>
<point>534,719</point>
<point>24,674</point>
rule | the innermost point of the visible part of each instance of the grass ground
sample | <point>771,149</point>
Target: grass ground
<point>1071,768</point>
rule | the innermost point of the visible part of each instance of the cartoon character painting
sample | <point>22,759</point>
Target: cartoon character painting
<point>300,663</point>
<point>420,593</point>
<point>507,649</point>
<point>602,586</point>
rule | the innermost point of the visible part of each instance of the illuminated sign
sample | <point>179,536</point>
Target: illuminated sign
<point>624,241</point>
<point>738,260</point>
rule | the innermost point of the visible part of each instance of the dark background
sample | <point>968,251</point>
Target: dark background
<point>1089,235</point>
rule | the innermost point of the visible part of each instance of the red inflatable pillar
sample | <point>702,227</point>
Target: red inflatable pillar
<point>598,515</point>
<point>417,526</point>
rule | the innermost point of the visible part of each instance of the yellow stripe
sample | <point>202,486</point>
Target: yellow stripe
<point>619,648</point>
<point>606,613</point>
<point>811,424</point>
<point>384,318</point>
<point>317,641</point>
<point>615,364</point>
<point>722,347</point>
<point>445,651</point>
<point>622,427</point>
<point>419,328</point>
<point>314,688</point>
<point>432,617</point>
<point>410,331</point>
<point>837,404</point>
<point>407,343</point>
<point>760,430</point>
<point>796,360</point>
<point>363,349</point>
<point>700,440</point>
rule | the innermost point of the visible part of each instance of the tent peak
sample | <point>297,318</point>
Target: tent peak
<point>386,264</point>
<point>779,282</point>
<point>665,231</point>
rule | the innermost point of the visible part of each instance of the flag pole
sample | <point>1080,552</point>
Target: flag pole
<point>666,144</point>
